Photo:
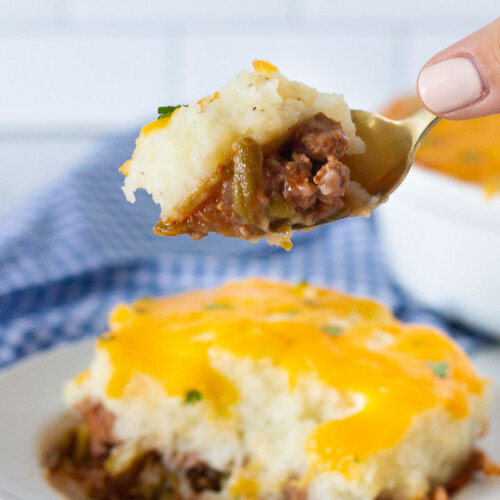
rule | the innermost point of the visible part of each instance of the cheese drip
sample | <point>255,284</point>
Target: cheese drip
<point>349,343</point>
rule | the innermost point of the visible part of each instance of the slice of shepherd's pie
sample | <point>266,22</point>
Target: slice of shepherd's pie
<point>265,391</point>
<point>258,157</point>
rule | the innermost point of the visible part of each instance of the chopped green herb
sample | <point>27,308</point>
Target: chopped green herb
<point>192,397</point>
<point>140,310</point>
<point>310,302</point>
<point>107,337</point>
<point>332,330</point>
<point>470,156</point>
<point>440,368</point>
<point>356,459</point>
<point>165,111</point>
<point>293,312</point>
<point>213,307</point>
<point>301,284</point>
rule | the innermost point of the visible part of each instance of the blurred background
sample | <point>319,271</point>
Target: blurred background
<point>73,71</point>
<point>78,78</point>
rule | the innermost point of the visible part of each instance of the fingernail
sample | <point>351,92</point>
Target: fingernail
<point>451,84</point>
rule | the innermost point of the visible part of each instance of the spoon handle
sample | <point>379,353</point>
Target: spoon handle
<point>420,124</point>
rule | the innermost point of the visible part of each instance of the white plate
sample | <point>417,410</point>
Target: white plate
<point>30,398</point>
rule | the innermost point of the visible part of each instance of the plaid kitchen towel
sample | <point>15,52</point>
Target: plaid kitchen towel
<point>72,251</point>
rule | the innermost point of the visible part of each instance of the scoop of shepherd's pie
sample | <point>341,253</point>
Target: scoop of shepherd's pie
<point>263,390</point>
<point>258,157</point>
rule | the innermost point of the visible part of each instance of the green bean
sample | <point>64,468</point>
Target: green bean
<point>279,208</point>
<point>167,494</point>
<point>149,491</point>
<point>63,448</point>
<point>82,443</point>
<point>247,178</point>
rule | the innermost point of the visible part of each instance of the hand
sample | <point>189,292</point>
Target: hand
<point>463,81</point>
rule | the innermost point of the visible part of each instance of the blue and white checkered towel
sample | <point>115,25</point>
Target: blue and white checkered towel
<point>73,251</point>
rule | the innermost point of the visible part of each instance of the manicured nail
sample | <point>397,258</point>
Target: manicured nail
<point>450,85</point>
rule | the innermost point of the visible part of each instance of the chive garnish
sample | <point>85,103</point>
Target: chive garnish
<point>470,156</point>
<point>213,307</point>
<point>310,302</point>
<point>165,111</point>
<point>192,397</point>
<point>301,284</point>
<point>440,368</point>
<point>107,337</point>
<point>332,330</point>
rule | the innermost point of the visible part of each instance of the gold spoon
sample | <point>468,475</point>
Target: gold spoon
<point>390,148</point>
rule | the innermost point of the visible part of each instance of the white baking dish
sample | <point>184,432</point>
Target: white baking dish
<point>441,238</point>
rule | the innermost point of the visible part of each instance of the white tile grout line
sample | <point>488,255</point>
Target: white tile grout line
<point>295,22</point>
<point>400,64</point>
<point>63,132</point>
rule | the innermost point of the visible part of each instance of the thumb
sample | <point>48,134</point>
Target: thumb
<point>463,81</point>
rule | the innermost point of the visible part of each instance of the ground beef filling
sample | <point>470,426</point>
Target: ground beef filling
<point>82,453</point>
<point>301,182</point>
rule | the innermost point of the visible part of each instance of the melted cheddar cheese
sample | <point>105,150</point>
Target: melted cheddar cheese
<point>264,67</point>
<point>349,343</point>
<point>468,150</point>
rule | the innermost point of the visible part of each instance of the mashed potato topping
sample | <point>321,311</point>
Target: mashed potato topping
<point>283,386</point>
<point>182,159</point>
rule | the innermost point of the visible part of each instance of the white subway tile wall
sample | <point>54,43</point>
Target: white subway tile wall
<point>331,66</point>
<point>415,10</point>
<point>26,9</point>
<point>81,81</point>
<point>74,70</point>
<point>208,10</point>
